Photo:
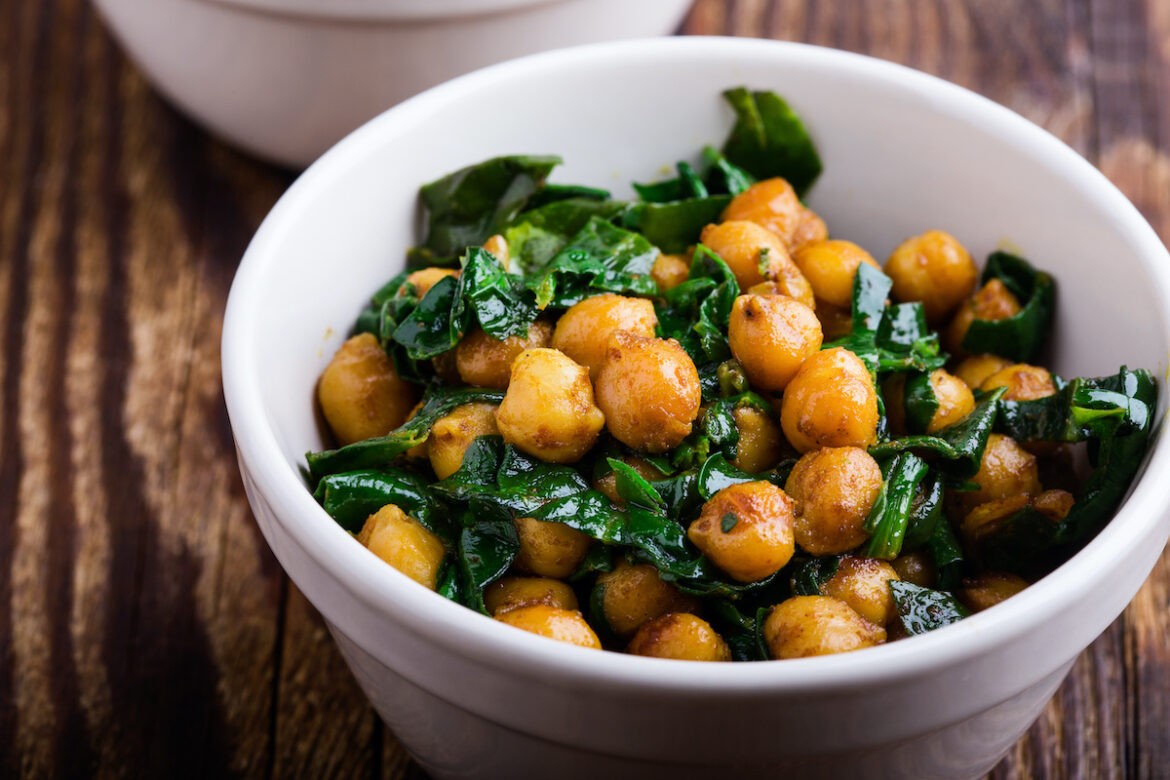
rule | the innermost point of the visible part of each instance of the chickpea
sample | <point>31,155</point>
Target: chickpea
<point>361,394</point>
<point>976,368</point>
<point>426,278</point>
<point>987,518</point>
<point>669,271</point>
<point>1006,470</point>
<point>584,330</point>
<point>608,483</point>
<point>746,530</point>
<point>680,636</point>
<point>452,434</point>
<point>835,321</point>
<point>804,626</point>
<point>917,568</point>
<point>933,268</point>
<point>548,411</point>
<point>864,584</point>
<point>498,246</point>
<point>992,302</point>
<point>549,549</point>
<point>989,588</point>
<point>771,337</point>
<point>514,592</point>
<point>810,228</point>
<point>404,543</point>
<point>834,489</point>
<point>755,255</point>
<point>1023,382</point>
<point>485,361</point>
<point>955,400</point>
<point>563,625</point>
<point>760,445</point>
<point>1054,504</point>
<point>649,390</point>
<point>446,368</point>
<point>830,266</point>
<point>632,594</point>
<point>831,402</point>
<point>772,204</point>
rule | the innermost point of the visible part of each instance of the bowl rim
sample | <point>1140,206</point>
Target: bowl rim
<point>463,631</point>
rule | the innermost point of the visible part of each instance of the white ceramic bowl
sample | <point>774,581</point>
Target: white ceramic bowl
<point>285,79</point>
<point>904,152</point>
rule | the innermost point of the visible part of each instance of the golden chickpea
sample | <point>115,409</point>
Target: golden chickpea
<point>426,278</point>
<point>831,402</point>
<point>760,445</point>
<point>452,434</point>
<point>955,400</point>
<point>756,255</point>
<point>498,246</point>
<point>1006,470</point>
<point>805,626</point>
<point>830,266</point>
<point>834,489</point>
<point>989,588</point>
<point>933,268</point>
<point>563,625</point>
<point>835,321</point>
<point>445,367</point>
<point>864,584</point>
<point>549,549</point>
<point>992,302</point>
<point>608,483</point>
<point>584,330</point>
<point>772,204</point>
<point>361,394</point>
<point>917,568</point>
<point>669,271</point>
<point>746,530</point>
<point>987,518</point>
<point>632,594</point>
<point>649,390</point>
<point>485,361</point>
<point>771,337</point>
<point>1023,382</point>
<point>680,636</point>
<point>1054,504</point>
<point>404,543</point>
<point>975,369</point>
<point>548,411</point>
<point>810,228</point>
<point>514,592</point>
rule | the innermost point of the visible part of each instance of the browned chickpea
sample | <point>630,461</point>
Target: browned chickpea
<point>864,584</point>
<point>830,266</point>
<point>831,402</point>
<point>992,302</point>
<point>514,592</point>
<point>584,330</point>
<point>669,271</point>
<point>680,636</point>
<point>917,568</point>
<point>404,543</point>
<point>806,626</point>
<point>1054,504</point>
<point>649,390</point>
<point>955,400</point>
<point>933,268</point>
<point>549,549</point>
<point>835,321</point>
<point>498,246</point>
<point>1023,382</point>
<point>608,483</point>
<point>548,411</point>
<point>445,367</point>
<point>756,255</point>
<point>746,530</point>
<point>426,278</point>
<point>634,594</point>
<point>771,337</point>
<point>452,434</point>
<point>760,445</point>
<point>834,489</point>
<point>562,625</point>
<point>485,361</point>
<point>976,368</point>
<point>894,393</point>
<point>772,204</point>
<point>361,394</point>
<point>987,518</point>
<point>989,588</point>
<point>810,228</point>
<point>1006,470</point>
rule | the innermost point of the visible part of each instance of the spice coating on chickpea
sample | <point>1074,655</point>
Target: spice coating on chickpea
<point>804,626</point>
<point>426,278</point>
<point>549,549</point>
<point>831,402</point>
<point>583,332</point>
<point>760,445</point>
<point>836,321</point>
<point>563,625</point>
<point>975,369</point>
<point>746,530</point>
<point>756,255</point>
<point>989,588</point>
<point>548,411</point>
<point>1006,470</point>
<point>933,268</point>
<point>632,594</point>
<point>607,484</point>
<point>830,267</point>
<point>361,394</point>
<point>773,205</point>
<point>498,246</point>
<point>669,271</point>
<point>485,361</point>
<point>834,489</point>
<point>404,543</point>
<point>772,337</point>
<point>992,302</point>
<point>916,568</point>
<point>649,390</point>
<point>1023,382</point>
<point>514,592</point>
<point>452,434</point>
<point>955,400</point>
<point>810,228</point>
<point>679,636</point>
<point>864,584</point>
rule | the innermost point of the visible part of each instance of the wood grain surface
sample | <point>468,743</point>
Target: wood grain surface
<point>145,629</point>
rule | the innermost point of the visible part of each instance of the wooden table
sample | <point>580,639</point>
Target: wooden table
<point>145,629</point>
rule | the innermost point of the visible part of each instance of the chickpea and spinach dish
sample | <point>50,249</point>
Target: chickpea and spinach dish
<point>691,425</point>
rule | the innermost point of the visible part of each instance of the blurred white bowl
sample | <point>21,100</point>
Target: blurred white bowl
<point>285,79</point>
<point>470,697</point>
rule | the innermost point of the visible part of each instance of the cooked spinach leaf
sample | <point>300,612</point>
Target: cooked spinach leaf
<point>810,576</point>
<point>600,258</point>
<point>921,609</point>
<point>889,518</point>
<point>697,312</point>
<point>770,140</point>
<point>675,225</point>
<point>1022,336</point>
<point>487,548</point>
<point>537,235</point>
<point>350,498</point>
<point>957,449</point>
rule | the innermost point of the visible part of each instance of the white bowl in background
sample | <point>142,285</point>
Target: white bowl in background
<point>285,79</point>
<point>470,697</point>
